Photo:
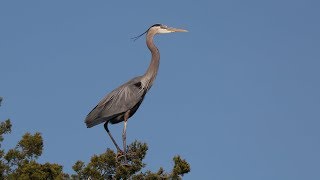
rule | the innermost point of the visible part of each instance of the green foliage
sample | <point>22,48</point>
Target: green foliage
<point>20,162</point>
<point>34,170</point>
<point>31,145</point>
<point>109,165</point>
<point>181,167</point>
<point>5,128</point>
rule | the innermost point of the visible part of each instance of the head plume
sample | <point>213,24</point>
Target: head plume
<point>137,37</point>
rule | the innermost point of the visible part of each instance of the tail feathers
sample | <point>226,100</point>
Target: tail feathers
<point>90,123</point>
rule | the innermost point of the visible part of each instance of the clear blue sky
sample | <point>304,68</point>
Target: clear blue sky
<point>237,96</point>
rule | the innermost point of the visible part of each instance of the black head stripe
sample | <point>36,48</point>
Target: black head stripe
<point>156,25</point>
<point>137,37</point>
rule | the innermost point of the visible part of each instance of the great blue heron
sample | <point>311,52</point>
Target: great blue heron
<point>123,102</point>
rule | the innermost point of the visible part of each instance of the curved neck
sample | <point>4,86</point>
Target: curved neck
<point>152,70</point>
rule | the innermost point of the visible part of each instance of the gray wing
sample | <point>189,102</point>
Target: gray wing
<point>119,101</point>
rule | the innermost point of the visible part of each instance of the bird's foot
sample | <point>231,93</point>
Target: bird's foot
<point>121,157</point>
<point>120,154</point>
<point>126,164</point>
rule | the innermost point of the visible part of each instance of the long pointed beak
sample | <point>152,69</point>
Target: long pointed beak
<point>176,30</point>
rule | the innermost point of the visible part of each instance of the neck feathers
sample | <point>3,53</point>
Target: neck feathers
<point>150,75</point>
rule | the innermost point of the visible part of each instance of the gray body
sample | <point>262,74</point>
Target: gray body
<point>124,101</point>
<point>113,106</point>
<point>128,96</point>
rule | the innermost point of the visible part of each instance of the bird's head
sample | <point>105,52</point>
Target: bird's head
<point>160,29</point>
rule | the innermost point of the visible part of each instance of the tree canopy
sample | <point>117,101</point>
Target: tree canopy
<point>20,162</point>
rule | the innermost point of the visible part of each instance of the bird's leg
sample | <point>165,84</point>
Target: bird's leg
<point>114,142</point>
<point>124,135</point>
<point>124,142</point>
